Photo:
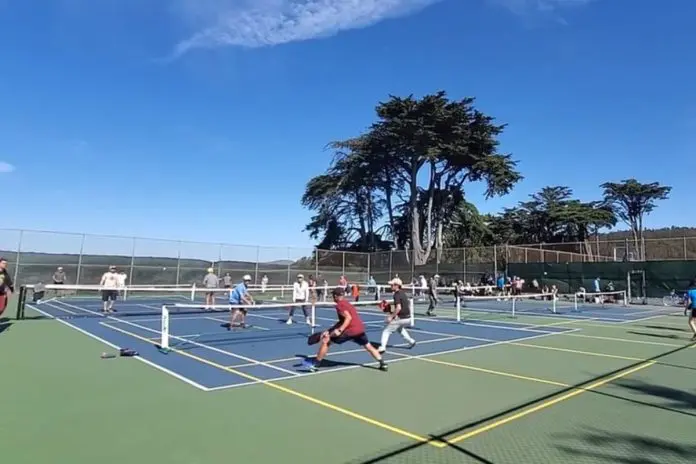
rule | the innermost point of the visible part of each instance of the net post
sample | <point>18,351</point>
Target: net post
<point>458,301</point>
<point>193,292</point>
<point>314,316</point>
<point>514,299</point>
<point>575,301</point>
<point>411,309</point>
<point>624,296</point>
<point>20,302</point>
<point>164,342</point>
<point>378,292</point>
<point>553,304</point>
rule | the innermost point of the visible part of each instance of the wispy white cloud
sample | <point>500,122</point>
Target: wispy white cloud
<point>262,23</point>
<point>539,6</point>
<point>6,167</point>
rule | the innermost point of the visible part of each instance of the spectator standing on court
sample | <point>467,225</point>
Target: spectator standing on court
<point>210,282</point>
<point>300,294</point>
<point>399,318</point>
<point>312,289</point>
<point>122,279</point>
<point>264,283</point>
<point>6,286</point>
<point>109,289</point>
<point>227,281</point>
<point>59,276</point>
<point>432,294</point>
<point>343,283</point>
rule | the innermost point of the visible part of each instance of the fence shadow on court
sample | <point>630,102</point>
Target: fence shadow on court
<point>422,452</point>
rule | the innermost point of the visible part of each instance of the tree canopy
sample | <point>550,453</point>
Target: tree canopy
<point>402,184</point>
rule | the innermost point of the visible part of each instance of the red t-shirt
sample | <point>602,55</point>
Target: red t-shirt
<point>356,326</point>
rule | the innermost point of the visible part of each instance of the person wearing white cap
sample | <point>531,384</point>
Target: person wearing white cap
<point>210,282</point>
<point>432,294</point>
<point>399,317</point>
<point>300,294</point>
<point>240,296</point>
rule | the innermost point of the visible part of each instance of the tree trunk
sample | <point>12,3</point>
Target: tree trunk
<point>418,254</point>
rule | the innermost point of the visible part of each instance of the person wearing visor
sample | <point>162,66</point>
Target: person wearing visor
<point>240,296</point>
<point>300,294</point>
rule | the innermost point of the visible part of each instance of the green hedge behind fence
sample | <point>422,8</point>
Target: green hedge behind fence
<point>661,276</point>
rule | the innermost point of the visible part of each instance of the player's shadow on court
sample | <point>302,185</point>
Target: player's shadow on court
<point>328,363</point>
<point>653,335</point>
<point>662,327</point>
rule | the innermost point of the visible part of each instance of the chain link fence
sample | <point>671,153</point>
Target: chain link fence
<point>34,256</point>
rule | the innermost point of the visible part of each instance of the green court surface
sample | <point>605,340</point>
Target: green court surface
<point>606,393</point>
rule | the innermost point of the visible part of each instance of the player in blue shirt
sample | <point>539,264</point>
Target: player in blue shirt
<point>240,296</point>
<point>691,305</point>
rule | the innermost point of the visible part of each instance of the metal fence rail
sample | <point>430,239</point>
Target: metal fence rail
<point>34,256</point>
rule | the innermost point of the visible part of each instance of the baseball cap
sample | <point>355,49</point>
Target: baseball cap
<point>396,281</point>
<point>246,277</point>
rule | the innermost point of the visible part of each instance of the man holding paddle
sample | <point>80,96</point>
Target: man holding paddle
<point>348,328</point>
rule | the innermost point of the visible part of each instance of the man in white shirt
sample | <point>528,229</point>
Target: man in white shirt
<point>122,278</point>
<point>300,294</point>
<point>109,289</point>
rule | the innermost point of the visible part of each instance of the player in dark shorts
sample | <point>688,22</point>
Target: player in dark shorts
<point>348,328</point>
<point>6,286</point>
<point>691,307</point>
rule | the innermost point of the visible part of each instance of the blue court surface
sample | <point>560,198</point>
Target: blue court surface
<point>208,356</point>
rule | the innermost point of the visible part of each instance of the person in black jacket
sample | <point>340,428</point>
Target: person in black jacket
<point>6,286</point>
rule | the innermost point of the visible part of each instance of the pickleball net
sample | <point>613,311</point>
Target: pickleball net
<point>87,300</point>
<point>261,322</point>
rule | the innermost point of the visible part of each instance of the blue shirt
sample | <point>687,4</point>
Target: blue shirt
<point>501,282</point>
<point>596,286</point>
<point>238,293</point>
<point>691,295</point>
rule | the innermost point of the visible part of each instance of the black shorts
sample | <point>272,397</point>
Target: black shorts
<point>109,295</point>
<point>228,286</point>
<point>693,313</point>
<point>360,339</point>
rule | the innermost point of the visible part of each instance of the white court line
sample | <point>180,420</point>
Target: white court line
<point>200,345</point>
<point>406,358</point>
<point>342,352</point>
<point>139,358</point>
<point>53,306</point>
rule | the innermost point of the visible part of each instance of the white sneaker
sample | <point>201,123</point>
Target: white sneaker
<point>381,349</point>
<point>308,321</point>
<point>289,321</point>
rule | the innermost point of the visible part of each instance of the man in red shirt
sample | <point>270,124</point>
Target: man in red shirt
<point>348,328</point>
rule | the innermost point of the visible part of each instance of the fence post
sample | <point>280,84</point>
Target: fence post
<point>495,262</point>
<point>289,264</point>
<point>178,263</point>
<point>256,266</point>
<point>686,256</point>
<point>79,259</point>
<point>18,257</point>
<point>219,266</point>
<point>132,263</point>
<point>316,265</point>
<point>465,278</point>
<point>391,254</point>
<point>343,263</point>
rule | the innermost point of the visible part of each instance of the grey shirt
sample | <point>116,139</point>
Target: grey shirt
<point>59,277</point>
<point>210,281</point>
<point>227,280</point>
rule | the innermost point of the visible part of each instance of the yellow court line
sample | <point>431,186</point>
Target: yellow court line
<point>295,393</point>
<point>546,404</point>
<point>490,371</point>
<point>626,340</point>
<point>587,353</point>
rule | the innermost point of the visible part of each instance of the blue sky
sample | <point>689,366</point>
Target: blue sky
<point>203,119</point>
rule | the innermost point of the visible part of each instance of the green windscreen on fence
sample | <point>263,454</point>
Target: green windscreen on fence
<point>660,276</point>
